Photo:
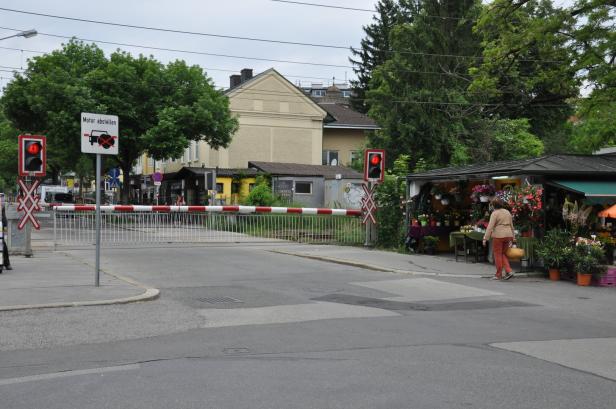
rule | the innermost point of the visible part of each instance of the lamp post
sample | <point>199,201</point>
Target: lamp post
<point>25,34</point>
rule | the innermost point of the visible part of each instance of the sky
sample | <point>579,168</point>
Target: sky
<point>264,19</point>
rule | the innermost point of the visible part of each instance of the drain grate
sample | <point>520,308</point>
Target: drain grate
<point>220,300</point>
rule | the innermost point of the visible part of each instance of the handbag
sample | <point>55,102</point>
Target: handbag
<point>514,253</point>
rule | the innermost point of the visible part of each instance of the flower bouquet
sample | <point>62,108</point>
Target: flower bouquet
<point>482,193</point>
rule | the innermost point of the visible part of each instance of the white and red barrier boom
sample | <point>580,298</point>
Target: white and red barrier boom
<point>212,209</point>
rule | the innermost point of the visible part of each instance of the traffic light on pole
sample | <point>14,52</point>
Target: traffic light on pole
<point>374,167</point>
<point>32,155</point>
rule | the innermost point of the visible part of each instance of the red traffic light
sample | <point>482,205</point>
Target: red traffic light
<point>34,148</point>
<point>375,159</point>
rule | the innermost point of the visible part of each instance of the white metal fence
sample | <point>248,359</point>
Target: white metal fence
<point>142,228</point>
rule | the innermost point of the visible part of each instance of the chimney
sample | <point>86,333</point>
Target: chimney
<point>246,74</point>
<point>235,80</point>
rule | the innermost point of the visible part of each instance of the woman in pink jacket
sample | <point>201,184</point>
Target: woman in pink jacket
<point>500,230</point>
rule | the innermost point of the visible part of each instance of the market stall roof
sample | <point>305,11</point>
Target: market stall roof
<point>598,166</point>
<point>589,188</point>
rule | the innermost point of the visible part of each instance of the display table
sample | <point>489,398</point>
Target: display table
<point>417,232</point>
<point>467,244</point>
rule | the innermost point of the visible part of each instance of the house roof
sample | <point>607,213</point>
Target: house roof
<point>343,116</point>
<point>296,169</point>
<point>554,165</point>
<point>196,171</point>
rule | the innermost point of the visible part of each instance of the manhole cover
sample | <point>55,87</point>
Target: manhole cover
<point>219,300</point>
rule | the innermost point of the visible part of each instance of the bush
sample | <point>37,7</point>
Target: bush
<point>555,248</point>
<point>261,194</point>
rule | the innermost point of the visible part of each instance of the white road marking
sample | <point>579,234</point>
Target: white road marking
<point>281,314</point>
<point>424,289</point>
<point>66,374</point>
<point>594,355</point>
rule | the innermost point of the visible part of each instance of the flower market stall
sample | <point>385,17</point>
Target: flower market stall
<point>565,192</point>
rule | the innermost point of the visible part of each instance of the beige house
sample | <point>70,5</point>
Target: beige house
<point>277,123</point>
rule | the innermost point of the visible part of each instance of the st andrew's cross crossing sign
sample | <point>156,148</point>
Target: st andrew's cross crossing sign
<point>99,134</point>
<point>368,205</point>
<point>28,202</point>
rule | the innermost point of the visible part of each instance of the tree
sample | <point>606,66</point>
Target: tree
<point>160,108</point>
<point>8,154</point>
<point>418,95</point>
<point>528,69</point>
<point>595,41</point>
<point>374,50</point>
<point>49,97</point>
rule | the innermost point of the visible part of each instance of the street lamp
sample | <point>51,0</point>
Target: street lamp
<point>25,34</point>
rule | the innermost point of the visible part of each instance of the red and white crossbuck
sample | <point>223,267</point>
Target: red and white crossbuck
<point>28,202</point>
<point>368,205</point>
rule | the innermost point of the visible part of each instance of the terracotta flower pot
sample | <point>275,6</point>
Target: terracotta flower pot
<point>584,279</point>
<point>554,274</point>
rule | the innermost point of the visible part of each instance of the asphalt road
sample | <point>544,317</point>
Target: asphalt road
<point>243,327</point>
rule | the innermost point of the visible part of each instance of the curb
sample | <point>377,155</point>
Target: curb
<point>393,270</point>
<point>148,295</point>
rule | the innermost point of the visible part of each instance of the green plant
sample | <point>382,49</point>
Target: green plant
<point>555,248</point>
<point>430,241</point>
<point>261,194</point>
<point>589,257</point>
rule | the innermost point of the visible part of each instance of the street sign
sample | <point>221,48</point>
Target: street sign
<point>28,202</point>
<point>157,177</point>
<point>114,177</point>
<point>99,134</point>
<point>368,205</point>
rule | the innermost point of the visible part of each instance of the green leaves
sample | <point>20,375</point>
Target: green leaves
<point>160,108</point>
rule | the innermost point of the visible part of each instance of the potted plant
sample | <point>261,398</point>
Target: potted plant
<point>423,219</point>
<point>554,249</point>
<point>589,258</point>
<point>482,193</point>
<point>429,244</point>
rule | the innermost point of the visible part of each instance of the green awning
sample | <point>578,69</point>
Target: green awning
<point>595,191</point>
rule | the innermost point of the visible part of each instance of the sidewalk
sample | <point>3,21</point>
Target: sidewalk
<point>380,260</point>
<point>54,279</point>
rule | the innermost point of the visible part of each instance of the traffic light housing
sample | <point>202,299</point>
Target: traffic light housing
<point>374,165</point>
<point>32,155</point>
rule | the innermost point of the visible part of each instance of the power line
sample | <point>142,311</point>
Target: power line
<point>279,94</point>
<point>475,57</point>
<point>169,30</point>
<point>301,3</point>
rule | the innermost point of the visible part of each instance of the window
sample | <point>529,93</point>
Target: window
<point>196,150</point>
<point>235,188</point>
<point>346,94</point>
<point>251,186</point>
<point>330,158</point>
<point>220,188</point>
<point>303,188</point>
<point>356,156</point>
<point>318,93</point>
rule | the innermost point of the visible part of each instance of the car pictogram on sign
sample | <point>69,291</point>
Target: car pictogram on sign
<point>101,138</point>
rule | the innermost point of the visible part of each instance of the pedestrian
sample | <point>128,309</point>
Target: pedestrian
<point>179,201</point>
<point>5,250</point>
<point>500,230</point>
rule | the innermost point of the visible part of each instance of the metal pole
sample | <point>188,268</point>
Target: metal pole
<point>98,221</point>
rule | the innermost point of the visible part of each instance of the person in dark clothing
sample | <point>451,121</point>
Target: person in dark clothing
<point>5,250</point>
